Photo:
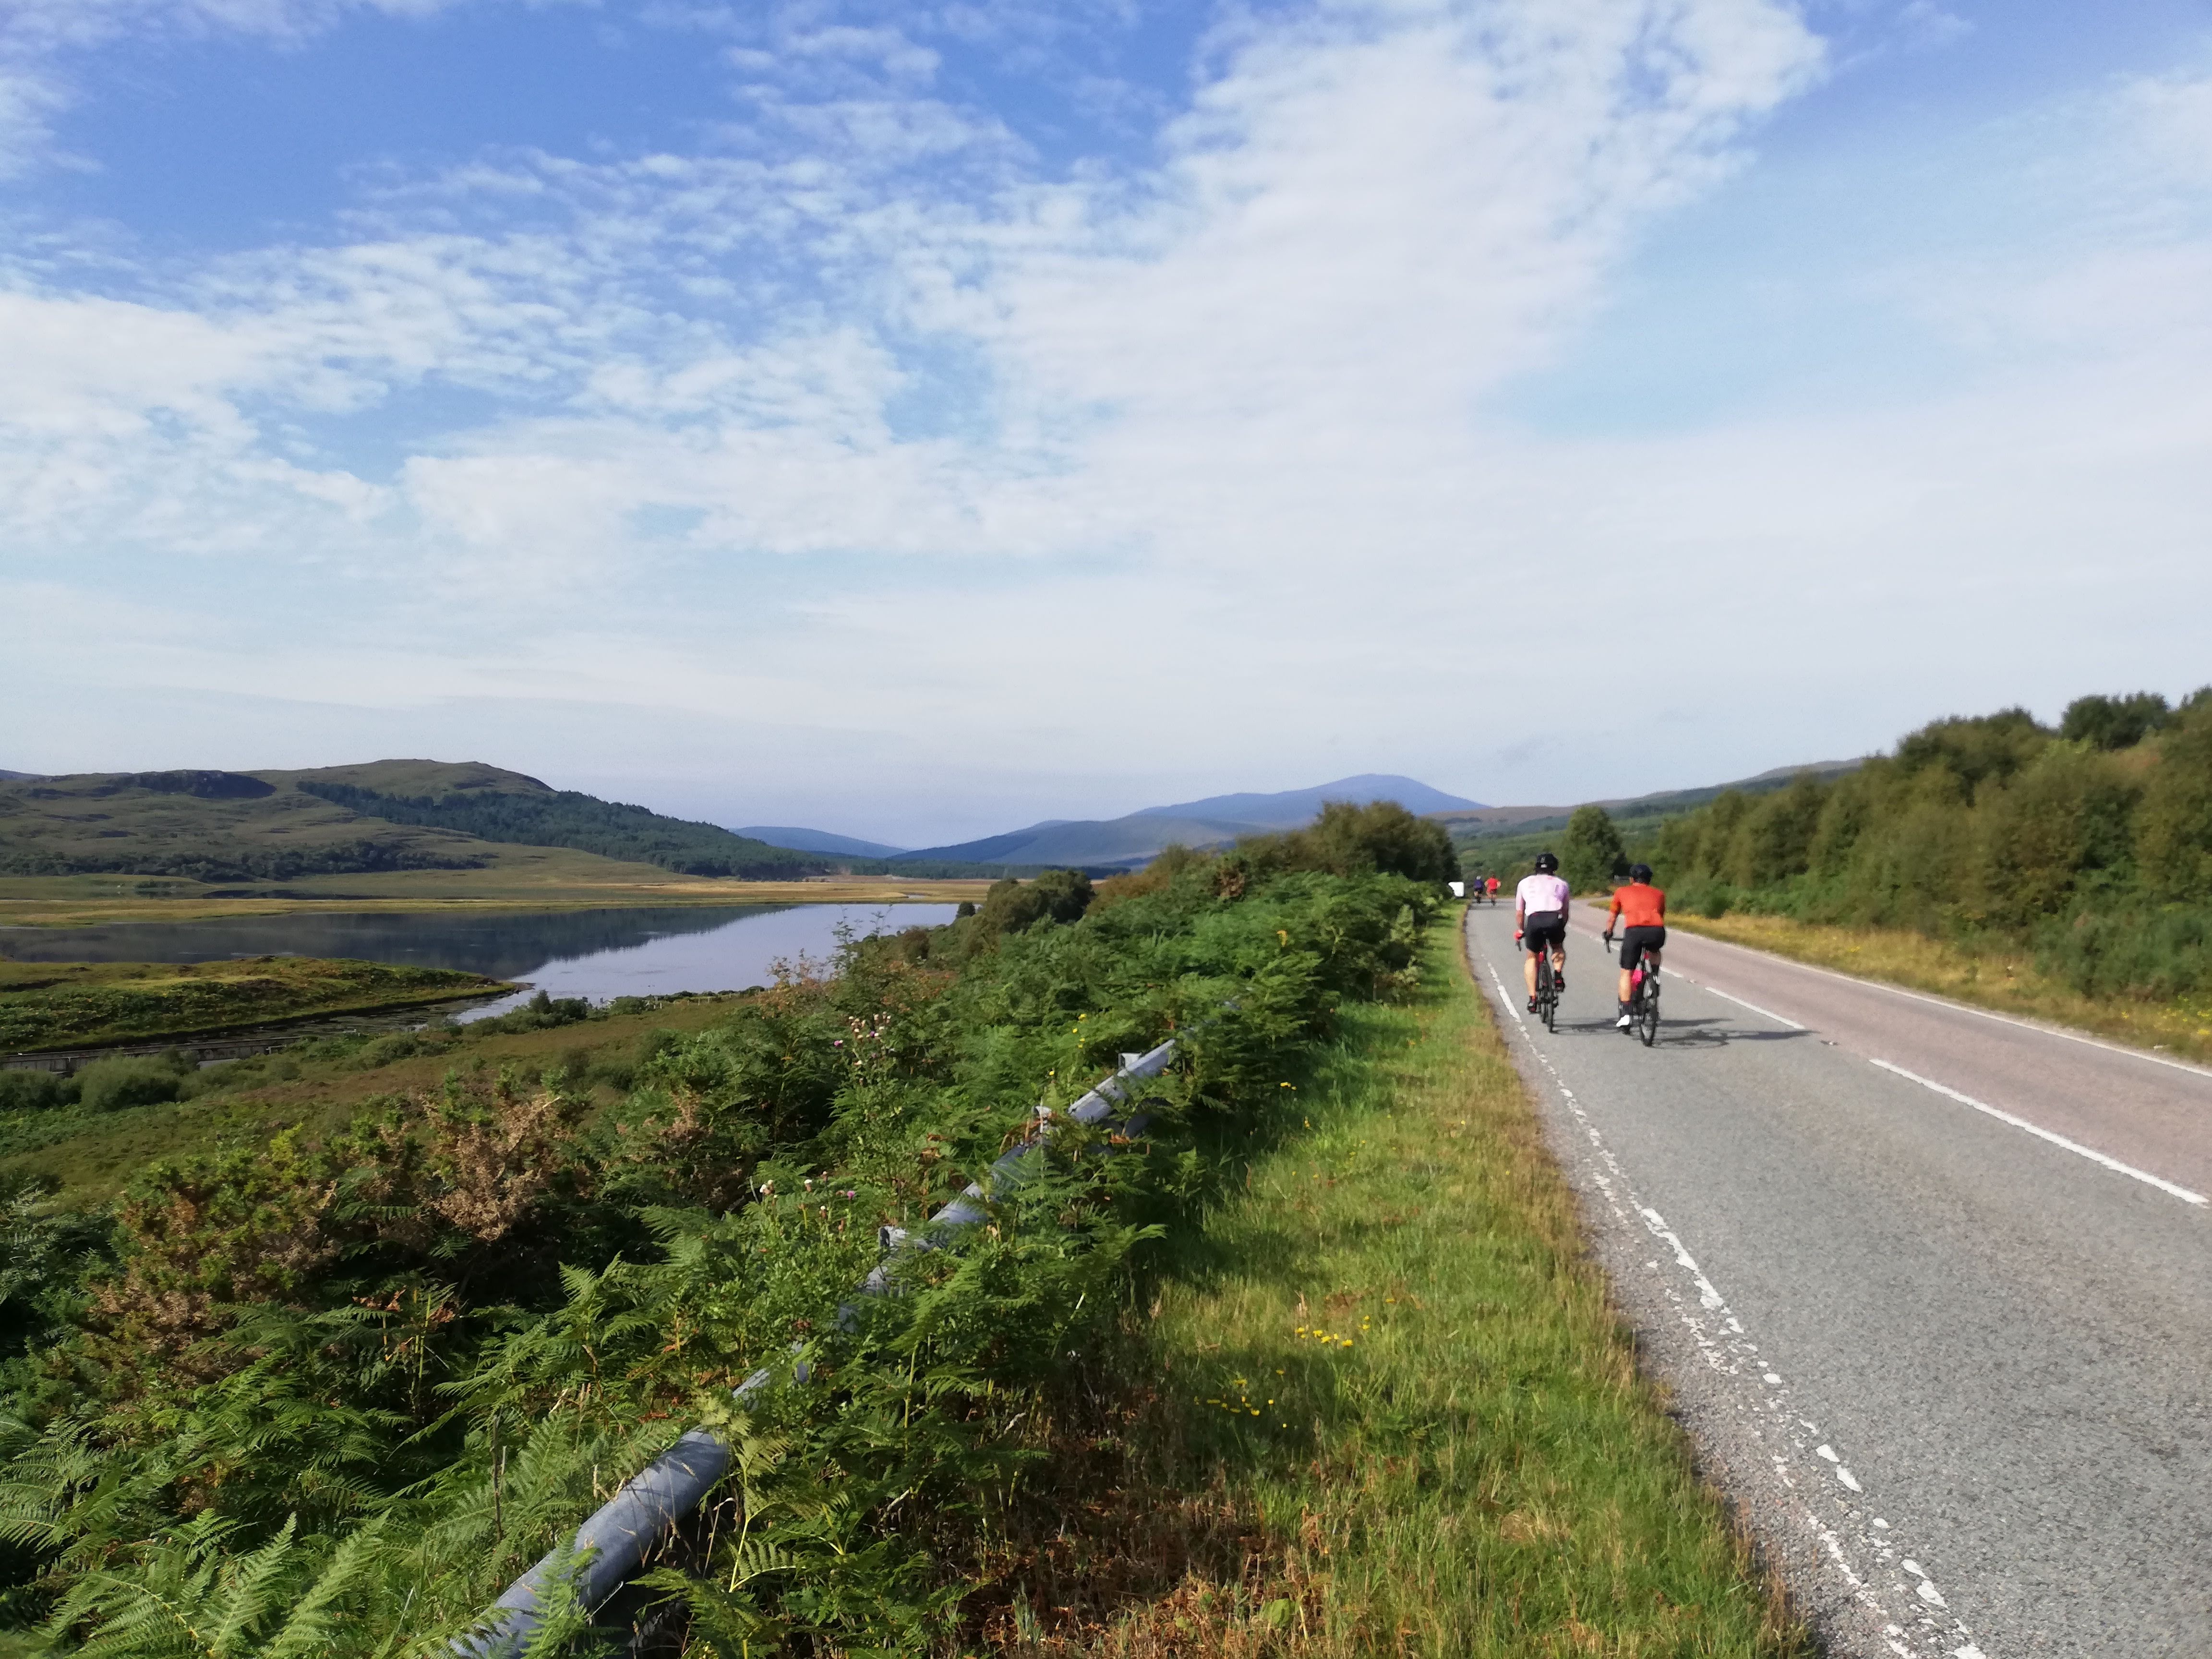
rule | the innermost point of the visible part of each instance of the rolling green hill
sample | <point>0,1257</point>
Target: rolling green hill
<point>495,805</point>
<point>215,826</point>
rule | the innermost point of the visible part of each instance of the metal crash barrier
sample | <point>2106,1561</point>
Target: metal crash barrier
<point>611,1547</point>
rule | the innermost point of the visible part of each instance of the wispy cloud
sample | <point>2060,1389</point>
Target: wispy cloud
<point>863,415</point>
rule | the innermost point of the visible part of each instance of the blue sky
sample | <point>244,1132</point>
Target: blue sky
<point>919,420</point>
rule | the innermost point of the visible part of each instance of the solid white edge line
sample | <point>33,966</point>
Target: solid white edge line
<point>1955,1007</point>
<point>2056,1139</point>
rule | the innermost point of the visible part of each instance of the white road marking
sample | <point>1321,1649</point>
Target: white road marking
<point>1763,1013</point>
<point>1958,1007</point>
<point>2041,1134</point>
<point>1724,1346</point>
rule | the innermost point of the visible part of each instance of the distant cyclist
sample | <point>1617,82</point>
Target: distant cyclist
<point>1641,909</point>
<point>1539,921</point>
<point>1494,886</point>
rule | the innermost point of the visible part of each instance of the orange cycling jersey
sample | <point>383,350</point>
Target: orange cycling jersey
<point>1638,905</point>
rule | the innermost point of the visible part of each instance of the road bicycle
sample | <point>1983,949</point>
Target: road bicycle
<point>1643,996</point>
<point>1547,991</point>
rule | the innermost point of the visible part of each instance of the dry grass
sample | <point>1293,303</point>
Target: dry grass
<point>1383,1406</point>
<point>2006,981</point>
<point>525,878</point>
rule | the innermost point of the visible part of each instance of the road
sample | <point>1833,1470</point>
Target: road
<point>1933,1289</point>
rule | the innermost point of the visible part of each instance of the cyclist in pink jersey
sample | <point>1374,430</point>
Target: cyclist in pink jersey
<point>1539,920</point>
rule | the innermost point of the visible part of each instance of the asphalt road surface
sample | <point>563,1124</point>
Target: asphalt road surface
<point>1933,1289</point>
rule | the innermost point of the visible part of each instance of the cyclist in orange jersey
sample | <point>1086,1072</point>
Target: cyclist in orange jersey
<point>1641,910</point>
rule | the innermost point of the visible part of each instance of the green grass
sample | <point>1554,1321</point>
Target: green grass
<point>84,1005</point>
<point>1390,1410</point>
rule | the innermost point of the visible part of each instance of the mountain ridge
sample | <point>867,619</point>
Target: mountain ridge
<point>1136,837</point>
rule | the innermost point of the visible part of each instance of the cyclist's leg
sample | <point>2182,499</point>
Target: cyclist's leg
<point>1628,959</point>
<point>1529,972</point>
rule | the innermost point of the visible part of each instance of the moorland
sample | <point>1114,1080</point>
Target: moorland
<point>389,834</point>
<point>327,1381</point>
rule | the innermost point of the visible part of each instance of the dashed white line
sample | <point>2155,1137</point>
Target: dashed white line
<point>1763,1013</point>
<point>2054,1138</point>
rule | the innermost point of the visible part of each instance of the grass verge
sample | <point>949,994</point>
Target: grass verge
<point>1387,1408</point>
<point>2006,981</point>
<point>82,1005</point>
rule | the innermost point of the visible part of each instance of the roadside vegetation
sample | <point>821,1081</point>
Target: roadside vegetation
<point>82,1005</point>
<point>329,1390</point>
<point>1385,1406</point>
<point>80,1140</point>
<point>1988,972</point>
<point>2086,850</point>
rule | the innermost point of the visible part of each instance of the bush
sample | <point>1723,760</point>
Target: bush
<point>542,1012</point>
<point>383,1050</point>
<point>1381,838</point>
<point>428,1347</point>
<point>34,1091</point>
<point>110,1085</point>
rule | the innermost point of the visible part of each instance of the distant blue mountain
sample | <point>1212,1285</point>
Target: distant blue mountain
<point>1124,842</point>
<point>1291,807</point>
<point>819,840</point>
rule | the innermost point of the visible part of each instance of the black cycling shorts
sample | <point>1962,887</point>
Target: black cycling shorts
<point>1635,941</point>
<point>1542,927</point>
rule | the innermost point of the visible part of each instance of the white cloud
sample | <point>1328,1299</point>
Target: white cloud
<point>854,423</point>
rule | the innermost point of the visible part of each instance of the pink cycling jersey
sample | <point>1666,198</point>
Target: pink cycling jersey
<point>1538,894</point>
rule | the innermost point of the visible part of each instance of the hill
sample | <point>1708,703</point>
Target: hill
<point>1484,822</point>
<point>205,825</point>
<point>1123,842</point>
<point>498,805</point>
<point>217,826</point>
<point>819,840</point>
<point>1289,808</point>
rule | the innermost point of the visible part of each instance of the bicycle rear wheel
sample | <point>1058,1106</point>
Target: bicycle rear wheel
<point>1647,1020</point>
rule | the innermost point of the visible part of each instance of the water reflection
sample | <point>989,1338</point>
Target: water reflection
<point>596,954</point>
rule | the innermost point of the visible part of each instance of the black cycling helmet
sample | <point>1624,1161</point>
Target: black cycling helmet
<point>1639,872</point>
<point>1547,863</point>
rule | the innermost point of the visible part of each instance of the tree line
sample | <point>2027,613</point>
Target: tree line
<point>2090,842</point>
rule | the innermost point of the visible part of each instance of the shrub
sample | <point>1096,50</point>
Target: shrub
<point>33,1091</point>
<point>383,1050</point>
<point>109,1085</point>
<point>1381,838</point>
<point>429,1346</point>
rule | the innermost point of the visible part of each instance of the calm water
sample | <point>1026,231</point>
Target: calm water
<point>599,954</point>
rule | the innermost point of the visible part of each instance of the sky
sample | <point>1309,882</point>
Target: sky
<point>920,420</point>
